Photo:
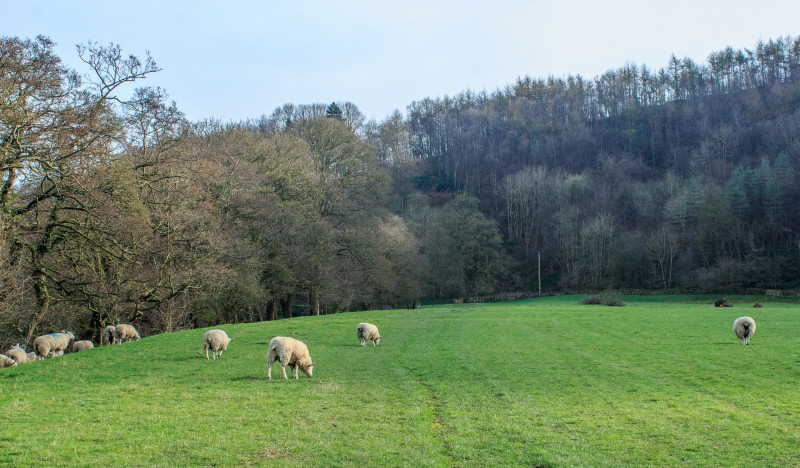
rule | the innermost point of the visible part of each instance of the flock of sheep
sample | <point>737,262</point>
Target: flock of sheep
<point>286,350</point>
<point>54,344</point>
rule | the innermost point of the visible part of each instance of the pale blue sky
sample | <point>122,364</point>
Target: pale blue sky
<point>239,59</point>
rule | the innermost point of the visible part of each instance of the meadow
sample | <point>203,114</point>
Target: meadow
<point>662,381</point>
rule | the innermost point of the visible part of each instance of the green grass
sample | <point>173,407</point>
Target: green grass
<point>661,381</point>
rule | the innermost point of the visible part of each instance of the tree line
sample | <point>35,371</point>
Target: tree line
<point>117,209</point>
<point>675,178</point>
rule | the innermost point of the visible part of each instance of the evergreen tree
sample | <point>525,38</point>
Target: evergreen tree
<point>334,112</point>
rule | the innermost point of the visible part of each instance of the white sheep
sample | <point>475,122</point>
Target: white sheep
<point>32,357</point>
<point>366,332</point>
<point>6,361</point>
<point>216,341</point>
<point>53,344</point>
<point>745,328</point>
<point>125,333</point>
<point>82,345</point>
<point>18,354</point>
<point>291,352</point>
<point>108,335</point>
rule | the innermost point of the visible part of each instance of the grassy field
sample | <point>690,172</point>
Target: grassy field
<point>547,382</point>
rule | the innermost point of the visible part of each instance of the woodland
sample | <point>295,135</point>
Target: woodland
<point>119,210</point>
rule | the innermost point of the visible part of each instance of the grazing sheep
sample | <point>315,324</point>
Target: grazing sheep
<point>32,357</point>
<point>53,344</point>
<point>366,332</point>
<point>125,333</point>
<point>18,354</point>
<point>722,303</point>
<point>291,352</point>
<point>6,361</point>
<point>108,335</point>
<point>745,328</point>
<point>217,341</point>
<point>82,345</point>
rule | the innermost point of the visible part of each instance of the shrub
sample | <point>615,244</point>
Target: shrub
<point>594,299</point>
<point>605,299</point>
<point>612,300</point>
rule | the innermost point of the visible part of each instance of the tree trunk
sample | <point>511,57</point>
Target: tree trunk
<point>286,305</point>
<point>272,310</point>
<point>42,302</point>
<point>313,302</point>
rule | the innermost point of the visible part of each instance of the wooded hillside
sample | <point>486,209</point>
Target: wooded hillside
<point>118,209</point>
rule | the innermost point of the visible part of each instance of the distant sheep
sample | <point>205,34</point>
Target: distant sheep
<point>291,352</point>
<point>82,345</point>
<point>53,344</point>
<point>366,332</point>
<point>757,305</point>
<point>125,333</point>
<point>722,303</point>
<point>108,335</point>
<point>6,361</point>
<point>216,341</point>
<point>18,354</point>
<point>745,328</point>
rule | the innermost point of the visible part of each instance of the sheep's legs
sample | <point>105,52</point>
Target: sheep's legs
<point>283,368</point>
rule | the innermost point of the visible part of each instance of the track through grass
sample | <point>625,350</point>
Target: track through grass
<point>548,382</point>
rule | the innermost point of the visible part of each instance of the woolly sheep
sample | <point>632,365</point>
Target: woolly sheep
<point>18,354</point>
<point>82,345</point>
<point>216,341</point>
<point>291,352</point>
<point>6,361</point>
<point>108,335</point>
<point>366,332</point>
<point>125,333</point>
<point>32,357</point>
<point>745,328</point>
<point>53,344</point>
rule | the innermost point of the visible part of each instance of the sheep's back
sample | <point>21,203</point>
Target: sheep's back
<point>367,331</point>
<point>287,343</point>
<point>216,339</point>
<point>739,323</point>
<point>42,345</point>
<point>124,331</point>
<point>18,354</point>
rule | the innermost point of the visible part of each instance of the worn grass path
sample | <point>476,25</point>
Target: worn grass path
<point>547,382</point>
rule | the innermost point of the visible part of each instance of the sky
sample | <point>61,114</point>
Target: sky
<point>232,60</point>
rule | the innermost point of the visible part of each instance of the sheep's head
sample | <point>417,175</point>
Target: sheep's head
<point>307,369</point>
<point>377,341</point>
